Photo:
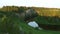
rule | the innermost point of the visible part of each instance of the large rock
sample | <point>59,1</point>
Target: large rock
<point>30,14</point>
<point>34,25</point>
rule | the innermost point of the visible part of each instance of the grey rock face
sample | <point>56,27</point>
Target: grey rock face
<point>28,14</point>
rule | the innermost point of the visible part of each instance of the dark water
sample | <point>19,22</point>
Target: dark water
<point>50,27</point>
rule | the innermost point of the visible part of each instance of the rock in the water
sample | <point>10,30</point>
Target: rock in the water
<point>33,24</point>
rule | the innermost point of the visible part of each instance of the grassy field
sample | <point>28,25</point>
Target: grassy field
<point>47,20</point>
<point>48,11</point>
<point>13,22</point>
<point>25,28</point>
<point>30,30</point>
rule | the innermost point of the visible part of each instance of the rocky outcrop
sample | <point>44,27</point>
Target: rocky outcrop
<point>28,14</point>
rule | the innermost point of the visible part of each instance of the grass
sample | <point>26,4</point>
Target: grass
<point>25,27</point>
<point>47,20</point>
<point>48,11</point>
<point>29,30</point>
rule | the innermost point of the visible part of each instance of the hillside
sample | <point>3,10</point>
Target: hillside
<point>12,20</point>
<point>40,10</point>
<point>13,25</point>
<point>48,11</point>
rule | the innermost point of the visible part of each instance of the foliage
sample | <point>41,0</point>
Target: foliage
<point>22,9</point>
<point>48,20</point>
<point>10,22</point>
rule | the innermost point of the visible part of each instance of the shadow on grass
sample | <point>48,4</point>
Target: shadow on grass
<point>48,23</point>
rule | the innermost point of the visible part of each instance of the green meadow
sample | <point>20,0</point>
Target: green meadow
<point>13,24</point>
